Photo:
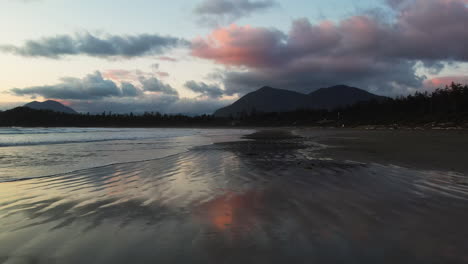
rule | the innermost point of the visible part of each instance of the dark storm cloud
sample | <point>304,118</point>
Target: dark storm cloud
<point>363,50</point>
<point>208,90</point>
<point>96,46</point>
<point>215,12</point>
<point>387,78</point>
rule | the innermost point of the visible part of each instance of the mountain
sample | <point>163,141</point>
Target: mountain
<point>269,99</point>
<point>338,96</point>
<point>266,99</point>
<point>50,105</point>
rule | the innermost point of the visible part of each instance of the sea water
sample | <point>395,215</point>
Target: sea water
<point>39,152</point>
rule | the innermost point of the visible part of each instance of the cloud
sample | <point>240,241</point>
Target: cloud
<point>208,90</point>
<point>10,105</point>
<point>154,85</point>
<point>95,87</point>
<point>133,75</point>
<point>147,103</point>
<point>95,94</point>
<point>197,106</point>
<point>441,82</point>
<point>120,75</point>
<point>166,58</point>
<point>162,74</point>
<point>242,46</point>
<point>361,50</point>
<point>218,12</point>
<point>142,93</point>
<point>430,30</point>
<point>150,103</point>
<point>92,86</point>
<point>106,46</point>
<point>129,90</point>
<point>26,1</point>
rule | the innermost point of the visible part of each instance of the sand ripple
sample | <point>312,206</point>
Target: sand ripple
<point>243,202</point>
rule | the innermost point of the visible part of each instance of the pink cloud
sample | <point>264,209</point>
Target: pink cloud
<point>126,75</point>
<point>361,50</point>
<point>162,74</point>
<point>118,74</point>
<point>166,58</point>
<point>441,82</point>
<point>236,45</point>
<point>423,30</point>
<point>64,102</point>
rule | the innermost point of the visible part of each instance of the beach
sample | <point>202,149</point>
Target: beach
<point>248,196</point>
<point>441,150</point>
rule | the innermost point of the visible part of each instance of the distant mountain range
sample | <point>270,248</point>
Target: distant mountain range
<point>266,100</point>
<point>50,105</point>
<point>269,99</point>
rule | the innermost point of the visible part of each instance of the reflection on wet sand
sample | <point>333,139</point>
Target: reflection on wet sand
<point>232,211</point>
<point>262,201</point>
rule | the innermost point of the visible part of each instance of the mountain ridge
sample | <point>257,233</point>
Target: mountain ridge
<point>268,99</point>
<point>50,105</point>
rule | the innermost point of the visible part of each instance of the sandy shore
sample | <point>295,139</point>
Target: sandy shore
<point>443,150</point>
<point>270,198</point>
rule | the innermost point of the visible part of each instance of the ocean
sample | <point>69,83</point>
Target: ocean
<point>38,152</point>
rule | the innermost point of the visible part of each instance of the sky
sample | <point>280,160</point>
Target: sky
<point>196,56</point>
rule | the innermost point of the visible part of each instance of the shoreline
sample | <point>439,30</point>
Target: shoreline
<point>33,153</point>
<point>262,198</point>
<point>442,150</point>
<point>273,127</point>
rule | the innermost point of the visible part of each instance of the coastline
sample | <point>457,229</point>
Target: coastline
<point>271,197</point>
<point>442,150</point>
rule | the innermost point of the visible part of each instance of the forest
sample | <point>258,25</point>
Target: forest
<point>445,107</point>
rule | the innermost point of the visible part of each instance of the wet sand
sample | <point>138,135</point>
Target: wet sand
<point>271,198</point>
<point>443,150</point>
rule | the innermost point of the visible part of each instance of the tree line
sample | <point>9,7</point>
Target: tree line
<point>447,105</point>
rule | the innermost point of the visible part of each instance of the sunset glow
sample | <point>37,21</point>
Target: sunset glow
<point>386,47</point>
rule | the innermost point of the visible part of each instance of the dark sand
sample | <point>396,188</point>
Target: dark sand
<point>444,150</point>
<point>271,199</point>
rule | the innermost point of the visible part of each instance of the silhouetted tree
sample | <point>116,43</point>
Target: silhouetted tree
<point>444,105</point>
